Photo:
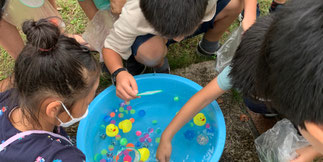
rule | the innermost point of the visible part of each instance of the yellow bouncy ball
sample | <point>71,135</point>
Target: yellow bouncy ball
<point>125,125</point>
<point>144,154</point>
<point>199,119</point>
<point>112,130</point>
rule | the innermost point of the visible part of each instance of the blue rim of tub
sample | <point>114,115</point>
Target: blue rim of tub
<point>221,123</point>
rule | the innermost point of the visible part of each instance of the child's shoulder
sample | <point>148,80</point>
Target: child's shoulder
<point>52,148</point>
<point>41,148</point>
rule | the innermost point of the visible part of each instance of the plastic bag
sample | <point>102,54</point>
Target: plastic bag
<point>98,29</point>
<point>280,143</point>
<point>228,49</point>
<point>18,11</point>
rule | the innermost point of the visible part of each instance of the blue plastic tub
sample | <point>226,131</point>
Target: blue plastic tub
<point>159,110</point>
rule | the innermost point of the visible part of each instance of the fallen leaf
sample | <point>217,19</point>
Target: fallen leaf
<point>244,118</point>
<point>219,101</point>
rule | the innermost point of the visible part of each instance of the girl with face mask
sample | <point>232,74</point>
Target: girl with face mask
<point>55,79</point>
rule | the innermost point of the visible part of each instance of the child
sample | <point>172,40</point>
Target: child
<point>91,7</point>
<point>14,13</point>
<point>146,27</point>
<point>55,81</point>
<point>280,60</point>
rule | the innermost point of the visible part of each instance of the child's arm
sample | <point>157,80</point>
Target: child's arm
<point>126,86</point>
<point>210,92</point>
<point>250,14</point>
<point>117,46</point>
<point>116,6</point>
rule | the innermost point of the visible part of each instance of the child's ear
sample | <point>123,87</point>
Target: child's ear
<point>53,108</point>
<point>315,130</point>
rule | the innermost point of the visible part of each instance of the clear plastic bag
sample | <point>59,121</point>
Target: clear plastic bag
<point>98,29</point>
<point>18,11</point>
<point>279,144</point>
<point>228,49</point>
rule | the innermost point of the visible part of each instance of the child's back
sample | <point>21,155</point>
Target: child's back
<point>34,147</point>
<point>55,80</point>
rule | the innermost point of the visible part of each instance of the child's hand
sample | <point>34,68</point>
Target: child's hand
<point>246,24</point>
<point>164,151</point>
<point>116,6</point>
<point>306,154</point>
<point>126,86</point>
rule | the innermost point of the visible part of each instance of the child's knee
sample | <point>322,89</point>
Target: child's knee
<point>152,52</point>
<point>233,8</point>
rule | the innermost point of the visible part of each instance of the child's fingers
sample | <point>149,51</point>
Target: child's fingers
<point>161,159</point>
<point>134,86</point>
<point>167,158</point>
<point>124,95</point>
<point>130,92</point>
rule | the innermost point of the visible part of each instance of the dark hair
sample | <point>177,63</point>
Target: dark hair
<point>293,59</point>
<point>52,64</point>
<point>245,61</point>
<point>289,70</point>
<point>173,18</point>
<point>2,3</point>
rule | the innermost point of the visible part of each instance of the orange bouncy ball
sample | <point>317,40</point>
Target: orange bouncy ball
<point>132,120</point>
<point>130,145</point>
<point>113,114</point>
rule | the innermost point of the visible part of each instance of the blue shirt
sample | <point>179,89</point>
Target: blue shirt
<point>35,147</point>
<point>224,81</point>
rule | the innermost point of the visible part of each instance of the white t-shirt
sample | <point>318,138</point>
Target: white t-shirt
<point>132,23</point>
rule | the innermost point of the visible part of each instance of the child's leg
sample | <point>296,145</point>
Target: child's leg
<point>89,8</point>
<point>223,20</point>
<point>10,39</point>
<point>152,52</point>
<point>53,3</point>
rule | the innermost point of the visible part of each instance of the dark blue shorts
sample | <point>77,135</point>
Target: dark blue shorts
<point>258,106</point>
<point>204,27</point>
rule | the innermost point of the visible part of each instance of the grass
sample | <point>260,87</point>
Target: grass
<point>6,64</point>
<point>179,55</point>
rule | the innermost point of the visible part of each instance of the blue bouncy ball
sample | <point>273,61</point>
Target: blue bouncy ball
<point>210,130</point>
<point>141,113</point>
<point>138,144</point>
<point>189,134</point>
<point>107,119</point>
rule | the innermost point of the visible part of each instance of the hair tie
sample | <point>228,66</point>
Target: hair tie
<point>45,50</point>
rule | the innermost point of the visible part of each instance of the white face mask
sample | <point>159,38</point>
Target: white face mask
<point>74,120</point>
